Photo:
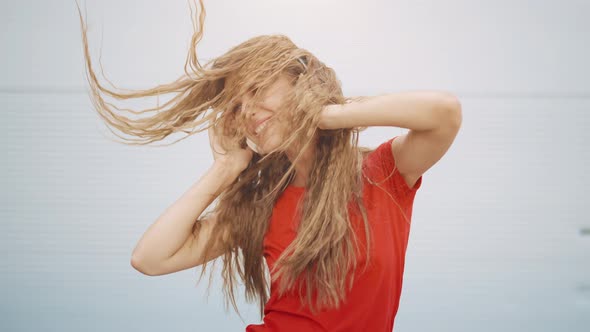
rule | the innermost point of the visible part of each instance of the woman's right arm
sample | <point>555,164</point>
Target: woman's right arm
<point>168,245</point>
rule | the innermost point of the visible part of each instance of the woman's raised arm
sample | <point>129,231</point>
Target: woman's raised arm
<point>172,231</point>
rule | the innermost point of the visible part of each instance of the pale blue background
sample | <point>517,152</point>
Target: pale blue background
<point>497,242</point>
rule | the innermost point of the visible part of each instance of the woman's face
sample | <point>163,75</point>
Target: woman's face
<point>264,125</point>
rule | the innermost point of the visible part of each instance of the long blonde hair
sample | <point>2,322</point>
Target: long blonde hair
<point>323,254</point>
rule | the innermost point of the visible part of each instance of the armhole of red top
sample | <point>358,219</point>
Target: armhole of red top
<point>396,181</point>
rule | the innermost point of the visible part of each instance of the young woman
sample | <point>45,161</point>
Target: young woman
<point>294,191</point>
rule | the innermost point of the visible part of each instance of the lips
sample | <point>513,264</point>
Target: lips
<point>258,123</point>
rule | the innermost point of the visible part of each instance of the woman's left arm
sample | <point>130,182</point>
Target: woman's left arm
<point>432,117</point>
<point>416,110</point>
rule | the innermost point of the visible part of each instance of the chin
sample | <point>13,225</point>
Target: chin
<point>269,145</point>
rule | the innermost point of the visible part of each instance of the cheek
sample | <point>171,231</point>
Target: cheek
<point>279,126</point>
<point>277,130</point>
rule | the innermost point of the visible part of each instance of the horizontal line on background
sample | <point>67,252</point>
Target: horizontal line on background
<point>481,95</point>
<point>42,90</point>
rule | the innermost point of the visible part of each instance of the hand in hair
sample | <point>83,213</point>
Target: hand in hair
<point>236,158</point>
<point>328,115</point>
<point>332,114</point>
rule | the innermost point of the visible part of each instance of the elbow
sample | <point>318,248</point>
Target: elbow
<point>139,264</point>
<point>451,109</point>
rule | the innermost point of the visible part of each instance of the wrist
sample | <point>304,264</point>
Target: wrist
<point>331,117</point>
<point>225,174</point>
<point>227,167</point>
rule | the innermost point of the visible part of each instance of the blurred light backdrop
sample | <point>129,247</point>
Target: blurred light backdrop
<point>499,239</point>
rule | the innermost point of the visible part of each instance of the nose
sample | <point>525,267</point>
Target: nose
<point>248,112</point>
<point>249,106</point>
<point>248,109</point>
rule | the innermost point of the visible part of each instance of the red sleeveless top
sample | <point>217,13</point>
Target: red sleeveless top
<point>372,303</point>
